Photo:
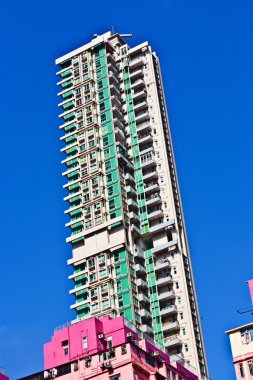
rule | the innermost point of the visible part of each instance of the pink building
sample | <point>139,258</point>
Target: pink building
<point>3,374</point>
<point>106,349</point>
<point>241,340</point>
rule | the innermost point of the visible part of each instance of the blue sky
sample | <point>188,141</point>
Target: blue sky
<point>205,49</point>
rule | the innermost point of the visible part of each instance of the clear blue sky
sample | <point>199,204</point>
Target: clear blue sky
<point>205,48</point>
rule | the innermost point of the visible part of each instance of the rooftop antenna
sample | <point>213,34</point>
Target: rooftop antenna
<point>126,35</point>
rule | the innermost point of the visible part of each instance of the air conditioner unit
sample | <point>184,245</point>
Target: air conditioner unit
<point>107,365</point>
<point>111,350</point>
<point>129,335</point>
<point>54,372</point>
<point>101,336</point>
<point>87,358</point>
<point>75,366</point>
<point>46,374</point>
<point>156,354</point>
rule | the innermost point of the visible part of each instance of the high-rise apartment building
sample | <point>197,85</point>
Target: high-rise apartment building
<point>129,248</point>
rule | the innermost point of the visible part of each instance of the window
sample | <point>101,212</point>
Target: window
<point>247,336</point>
<point>93,277</point>
<point>102,273</point>
<point>94,181</point>
<point>109,342</point>
<point>114,377</point>
<point>123,349</point>
<point>101,259</point>
<point>181,315</point>
<point>250,364</point>
<point>93,292</point>
<point>186,347</point>
<point>105,303</point>
<point>91,263</point>
<point>65,346</point>
<point>84,342</point>
<point>241,369</point>
<point>173,376</point>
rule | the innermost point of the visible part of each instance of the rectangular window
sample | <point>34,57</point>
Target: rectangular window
<point>65,346</point>
<point>241,369</point>
<point>84,342</point>
<point>250,364</point>
<point>93,277</point>
<point>102,273</point>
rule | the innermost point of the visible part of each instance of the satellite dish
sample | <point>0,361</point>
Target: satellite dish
<point>46,374</point>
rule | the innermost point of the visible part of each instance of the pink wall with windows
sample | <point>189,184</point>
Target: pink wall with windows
<point>87,353</point>
<point>55,354</point>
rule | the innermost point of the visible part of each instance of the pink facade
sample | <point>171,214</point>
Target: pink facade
<point>106,349</point>
<point>3,376</point>
<point>250,284</point>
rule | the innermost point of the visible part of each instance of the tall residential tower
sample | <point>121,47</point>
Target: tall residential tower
<point>129,249</point>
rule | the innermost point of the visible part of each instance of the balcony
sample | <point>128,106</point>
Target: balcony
<point>141,117</point>
<point>129,178</point>
<point>151,187</point>
<point>147,329</point>
<point>153,199</point>
<point>164,279</point>
<point>175,341</point>
<point>141,284</point>
<point>143,299</point>
<point>177,358</point>
<point>114,90</point>
<point>147,161</point>
<point>134,217</point>
<point>165,246</point>
<point>162,264</point>
<point>119,134</point>
<point>170,309</point>
<point>135,230</point>
<point>150,175</point>
<point>139,269</point>
<point>167,294</point>
<point>132,204</point>
<point>169,326</point>
<point>145,139</point>
<point>112,67</point>
<point>140,106</point>
<point>113,78</point>
<point>115,101</point>
<point>139,84</point>
<point>137,96</point>
<point>131,190</point>
<point>162,226</point>
<point>137,62</point>
<point>136,75</point>
<point>138,252</point>
<point>116,112</point>
<point>144,127</point>
<point>155,213</point>
<point>145,314</point>
<point>118,123</point>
